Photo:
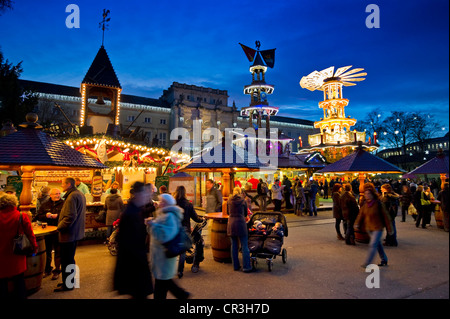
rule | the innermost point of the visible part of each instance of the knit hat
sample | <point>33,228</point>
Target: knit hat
<point>168,199</point>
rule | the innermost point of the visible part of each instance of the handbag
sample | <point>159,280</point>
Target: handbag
<point>21,243</point>
<point>412,210</point>
<point>101,217</point>
<point>181,243</point>
<point>424,202</point>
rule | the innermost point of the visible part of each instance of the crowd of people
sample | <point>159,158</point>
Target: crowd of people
<point>146,224</point>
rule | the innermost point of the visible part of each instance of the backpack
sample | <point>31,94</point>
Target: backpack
<point>264,189</point>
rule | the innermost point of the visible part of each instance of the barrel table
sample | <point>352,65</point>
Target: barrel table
<point>36,264</point>
<point>220,242</point>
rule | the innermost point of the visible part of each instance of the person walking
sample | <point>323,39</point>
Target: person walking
<point>132,274</point>
<point>12,266</point>
<point>113,207</point>
<point>71,227</point>
<point>300,199</point>
<point>350,210</point>
<point>49,213</point>
<point>373,217</point>
<point>237,229</point>
<point>287,192</point>
<point>443,197</point>
<point>405,200</point>
<point>314,189</point>
<point>213,198</point>
<point>421,203</point>
<point>277,195</point>
<point>189,213</point>
<point>390,200</point>
<point>325,189</point>
<point>163,228</point>
<point>337,210</point>
<point>263,190</point>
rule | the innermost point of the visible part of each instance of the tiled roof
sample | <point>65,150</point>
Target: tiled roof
<point>361,161</point>
<point>437,165</point>
<point>101,71</point>
<point>30,146</point>
<point>300,161</point>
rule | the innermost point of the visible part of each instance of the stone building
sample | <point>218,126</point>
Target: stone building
<point>99,102</point>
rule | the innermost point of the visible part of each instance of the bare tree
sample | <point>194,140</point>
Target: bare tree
<point>424,127</point>
<point>5,4</point>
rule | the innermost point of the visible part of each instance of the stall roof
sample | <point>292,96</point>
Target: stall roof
<point>361,162</point>
<point>437,165</point>
<point>302,161</point>
<point>31,146</point>
<point>234,158</point>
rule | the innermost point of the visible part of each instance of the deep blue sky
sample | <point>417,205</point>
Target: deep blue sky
<point>154,43</point>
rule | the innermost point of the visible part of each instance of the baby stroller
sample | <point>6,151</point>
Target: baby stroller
<point>112,242</point>
<point>195,255</point>
<point>266,240</point>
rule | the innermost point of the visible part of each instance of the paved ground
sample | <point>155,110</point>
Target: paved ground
<point>318,267</point>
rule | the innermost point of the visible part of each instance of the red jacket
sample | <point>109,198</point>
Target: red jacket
<point>10,264</point>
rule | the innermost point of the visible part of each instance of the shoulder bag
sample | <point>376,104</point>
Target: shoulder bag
<point>181,243</point>
<point>21,243</point>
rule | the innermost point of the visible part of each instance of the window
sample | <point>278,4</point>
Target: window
<point>162,121</point>
<point>130,118</point>
<point>147,120</point>
<point>162,139</point>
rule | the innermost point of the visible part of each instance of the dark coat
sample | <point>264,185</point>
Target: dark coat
<point>349,206</point>
<point>237,211</point>
<point>189,213</point>
<point>72,219</point>
<point>132,274</point>
<point>114,207</point>
<point>50,207</point>
<point>337,211</point>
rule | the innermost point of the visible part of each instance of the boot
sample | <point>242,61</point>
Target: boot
<point>339,236</point>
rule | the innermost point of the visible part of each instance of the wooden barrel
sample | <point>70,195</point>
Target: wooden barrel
<point>439,216</point>
<point>361,236</point>
<point>220,242</point>
<point>35,267</point>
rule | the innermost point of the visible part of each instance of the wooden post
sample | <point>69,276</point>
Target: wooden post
<point>26,195</point>
<point>225,191</point>
<point>361,186</point>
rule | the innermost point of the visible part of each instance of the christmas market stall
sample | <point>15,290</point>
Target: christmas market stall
<point>363,163</point>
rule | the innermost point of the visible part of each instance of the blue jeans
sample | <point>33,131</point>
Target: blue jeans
<point>243,240</point>
<point>312,206</point>
<point>374,246</point>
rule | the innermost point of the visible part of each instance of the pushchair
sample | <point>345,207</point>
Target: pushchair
<point>111,241</point>
<point>266,243</point>
<point>195,255</point>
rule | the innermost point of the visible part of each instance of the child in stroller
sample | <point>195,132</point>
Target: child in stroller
<point>111,241</point>
<point>266,237</point>
<point>195,255</point>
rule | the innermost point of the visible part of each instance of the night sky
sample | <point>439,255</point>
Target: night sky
<point>154,43</point>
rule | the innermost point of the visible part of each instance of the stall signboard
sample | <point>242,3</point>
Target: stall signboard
<point>97,186</point>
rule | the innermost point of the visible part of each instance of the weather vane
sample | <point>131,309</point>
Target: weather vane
<point>103,24</point>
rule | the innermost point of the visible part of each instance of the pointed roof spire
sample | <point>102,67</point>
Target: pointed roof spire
<point>101,71</point>
<point>258,60</point>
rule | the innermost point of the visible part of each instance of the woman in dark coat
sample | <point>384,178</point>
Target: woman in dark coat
<point>350,210</point>
<point>189,213</point>
<point>132,275</point>
<point>337,211</point>
<point>237,230</point>
<point>405,200</point>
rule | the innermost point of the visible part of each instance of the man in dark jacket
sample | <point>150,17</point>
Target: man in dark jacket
<point>350,211</point>
<point>71,226</point>
<point>49,213</point>
<point>287,192</point>
<point>443,197</point>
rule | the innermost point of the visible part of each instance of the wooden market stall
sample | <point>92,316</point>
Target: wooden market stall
<point>362,163</point>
